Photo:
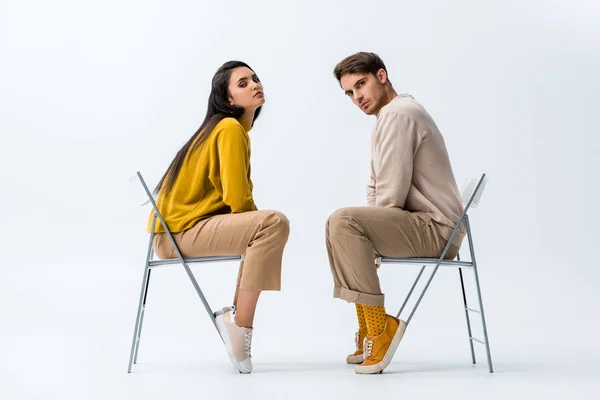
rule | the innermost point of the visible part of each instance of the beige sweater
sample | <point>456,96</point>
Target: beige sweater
<point>410,167</point>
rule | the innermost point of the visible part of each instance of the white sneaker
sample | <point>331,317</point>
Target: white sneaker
<point>237,339</point>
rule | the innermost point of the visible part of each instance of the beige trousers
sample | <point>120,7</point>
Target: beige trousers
<point>259,235</point>
<point>356,236</point>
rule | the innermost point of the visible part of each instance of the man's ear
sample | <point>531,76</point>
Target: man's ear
<point>382,76</point>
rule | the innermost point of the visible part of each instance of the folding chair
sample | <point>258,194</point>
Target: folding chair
<point>470,195</point>
<point>152,263</point>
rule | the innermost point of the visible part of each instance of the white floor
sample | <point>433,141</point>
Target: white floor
<point>66,335</point>
<point>76,363</point>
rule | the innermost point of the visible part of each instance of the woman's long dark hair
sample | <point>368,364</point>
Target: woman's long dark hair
<point>218,108</point>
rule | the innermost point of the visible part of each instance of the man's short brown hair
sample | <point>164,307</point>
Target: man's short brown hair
<point>360,63</point>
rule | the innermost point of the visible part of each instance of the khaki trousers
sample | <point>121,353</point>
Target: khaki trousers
<point>356,236</point>
<point>259,235</point>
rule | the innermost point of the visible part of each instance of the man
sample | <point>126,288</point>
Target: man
<point>413,206</point>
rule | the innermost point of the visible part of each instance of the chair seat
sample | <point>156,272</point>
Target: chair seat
<point>423,261</point>
<point>194,260</point>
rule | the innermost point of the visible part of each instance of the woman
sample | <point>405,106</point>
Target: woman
<point>205,197</point>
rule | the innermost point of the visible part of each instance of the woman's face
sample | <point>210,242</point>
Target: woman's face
<point>245,89</point>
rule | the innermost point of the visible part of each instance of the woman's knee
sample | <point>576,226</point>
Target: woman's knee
<point>279,222</point>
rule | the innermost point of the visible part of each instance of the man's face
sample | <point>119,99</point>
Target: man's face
<point>365,90</point>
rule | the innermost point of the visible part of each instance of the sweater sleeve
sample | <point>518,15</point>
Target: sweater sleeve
<point>371,186</point>
<point>234,169</point>
<point>397,140</point>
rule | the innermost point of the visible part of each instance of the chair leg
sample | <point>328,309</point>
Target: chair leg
<point>412,313</point>
<point>200,294</point>
<point>410,291</point>
<point>485,333</point>
<point>462,284</point>
<point>138,316</point>
<point>139,335</point>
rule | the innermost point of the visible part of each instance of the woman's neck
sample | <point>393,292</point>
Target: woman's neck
<point>248,116</point>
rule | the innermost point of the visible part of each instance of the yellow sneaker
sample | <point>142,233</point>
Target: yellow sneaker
<point>379,350</point>
<point>357,357</point>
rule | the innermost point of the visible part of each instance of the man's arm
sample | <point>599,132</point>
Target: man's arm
<point>371,194</point>
<point>397,140</point>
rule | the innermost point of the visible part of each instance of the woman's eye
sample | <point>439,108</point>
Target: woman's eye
<point>243,84</point>
<point>256,79</point>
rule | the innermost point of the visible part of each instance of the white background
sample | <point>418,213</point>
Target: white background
<point>90,92</point>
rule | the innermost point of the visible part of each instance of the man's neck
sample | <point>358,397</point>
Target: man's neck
<point>390,94</point>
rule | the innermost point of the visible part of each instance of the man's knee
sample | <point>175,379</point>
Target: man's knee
<point>339,221</point>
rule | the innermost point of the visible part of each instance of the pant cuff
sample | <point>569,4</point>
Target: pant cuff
<point>357,297</point>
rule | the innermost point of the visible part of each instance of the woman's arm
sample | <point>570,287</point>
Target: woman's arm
<point>234,168</point>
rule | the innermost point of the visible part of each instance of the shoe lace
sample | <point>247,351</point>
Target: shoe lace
<point>368,347</point>
<point>357,340</point>
<point>248,343</point>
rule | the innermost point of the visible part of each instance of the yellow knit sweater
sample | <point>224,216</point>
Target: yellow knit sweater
<point>214,179</point>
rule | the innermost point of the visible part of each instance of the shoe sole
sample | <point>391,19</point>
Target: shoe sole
<point>225,336</point>
<point>380,366</point>
<point>355,359</point>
